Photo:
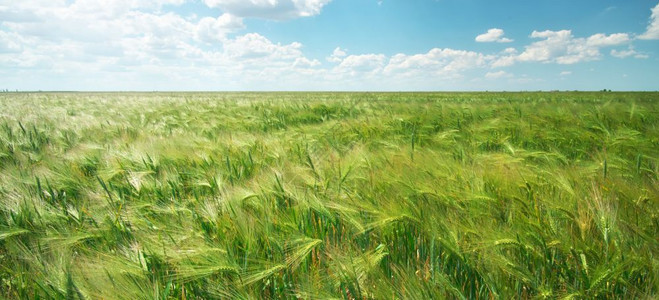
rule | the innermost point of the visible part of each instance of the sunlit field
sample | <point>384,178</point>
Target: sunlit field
<point>329,195</point>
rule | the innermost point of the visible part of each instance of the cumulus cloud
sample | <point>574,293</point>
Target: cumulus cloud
<point>504,61</point>
<point>136,31</point>
<point>506,58</point>
<point>254,46</point>
<point>652,32</point>
<point>108,9</point>
<point>438,66</point>
<point>436,62</point>
<point>303,62</point>
<point>337,55</point>
<point>563,48</point>
<point>497,75</point>
<point>88,39</point>
<point>120,44</point>
<point>270,9</point>
<point>215,29</point>
<point>10,42</point>
<point>555,44</point>
<point>493,35</point>
<point>630,52</point>
<point>509,51</point>
<point>363,64</point>
<point>602,40</point>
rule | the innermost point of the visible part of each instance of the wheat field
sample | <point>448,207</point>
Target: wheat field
<point>329,195</point>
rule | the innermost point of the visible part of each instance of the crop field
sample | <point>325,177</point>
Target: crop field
<point>329,195</point>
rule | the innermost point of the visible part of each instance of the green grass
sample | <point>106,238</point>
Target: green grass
<point>329,195</point>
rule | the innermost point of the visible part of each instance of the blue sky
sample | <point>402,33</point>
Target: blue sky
<point>388,45</point>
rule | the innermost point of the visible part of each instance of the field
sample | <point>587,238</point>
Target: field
<point>329,195</point>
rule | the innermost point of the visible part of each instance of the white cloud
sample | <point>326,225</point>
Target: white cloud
<point>255,46</point>
<point>652,32</point>
<point>566,73</point>
<point>108,9</point>
<point>563,48</point>
<point>628,53</point>
<point>10,42</point>
<point>303,62</point>
<point>81,40</point>
<point>135,31</point>
<point>497,75</point>
<point>602,40</point>
<point>368,64</point>
<point>555,44</point>
<point>504,61</point>
<point>436,62</point>
<point>506,58</point>
<point>215,29</point>
<point>130,44</point>
<point>337,55</point>
<point>509,51</point>
<point>270,9</point>
<point>493,35</point>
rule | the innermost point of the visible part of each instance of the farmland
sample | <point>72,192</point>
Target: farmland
<point>329,195</point>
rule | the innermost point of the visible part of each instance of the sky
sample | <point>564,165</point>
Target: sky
<point>329,45</point>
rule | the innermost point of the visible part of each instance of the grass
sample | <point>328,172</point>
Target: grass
<point>329,195</point>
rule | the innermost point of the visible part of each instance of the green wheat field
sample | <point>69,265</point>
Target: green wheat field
<point>329,195</point>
